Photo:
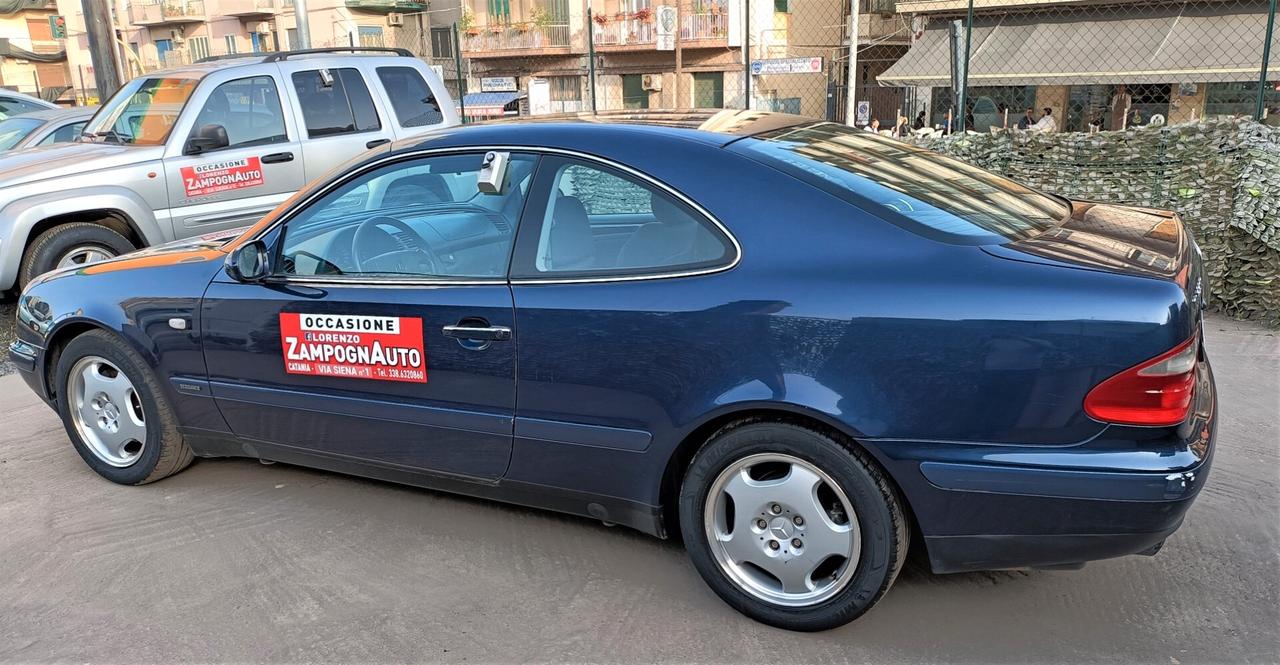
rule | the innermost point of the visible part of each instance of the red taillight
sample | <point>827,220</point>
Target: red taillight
<point>1156,392</point>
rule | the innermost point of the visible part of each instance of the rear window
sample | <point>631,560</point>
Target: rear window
<point>411,98</point>
<point>918,189</point>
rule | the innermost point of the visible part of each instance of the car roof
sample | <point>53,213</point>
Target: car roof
<point>48,115</point>
<point>711,127</point>
<point>205,66</point>
<point>25,97</point>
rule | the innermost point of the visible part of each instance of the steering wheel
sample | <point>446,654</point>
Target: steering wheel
<point>417,260</point>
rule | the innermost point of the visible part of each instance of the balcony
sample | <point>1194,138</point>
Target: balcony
<point>249,9</point>
<point>168,13</point>
<point>705,27</point>
<point>525,38</point>
<point>387,6</point>
<point>622,34</point>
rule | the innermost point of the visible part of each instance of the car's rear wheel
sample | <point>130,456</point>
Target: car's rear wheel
<point>790,527</point>
<point>115,413</point>
<point>67,245</point>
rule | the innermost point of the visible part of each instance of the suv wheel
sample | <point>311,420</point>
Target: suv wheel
<point>65,245</point>
<point>790,527</point>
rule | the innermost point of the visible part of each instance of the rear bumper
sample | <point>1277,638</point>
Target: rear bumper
<point>1122,493</point>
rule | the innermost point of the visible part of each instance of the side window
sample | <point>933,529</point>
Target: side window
<point>249,109</point>
<point>594,219</point>
<point>417,218</point>
<point>65,133</point>
<point>411,98</point>
<point>13,106</point>
<point>335,101</point>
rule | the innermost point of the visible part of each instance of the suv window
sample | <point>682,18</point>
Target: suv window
<point>595,220</point>
<point>335,101</point>
<point>417,218</point>
<point>248,108</point>
<point>411,98</point>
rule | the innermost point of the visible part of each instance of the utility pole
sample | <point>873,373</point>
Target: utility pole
<point>746,55</point>
<point>1260,112</point>
<point>97,25</point>
<point>591,58</point>
<point>963,111</point>
<point>303,25</point>
<point>679,59</point>
<point>851,79</point>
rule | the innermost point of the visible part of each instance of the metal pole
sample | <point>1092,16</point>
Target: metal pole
<point>746,55</point>
<point>964,77</point>
<point>679,59</point>
<point>97,24</point>
<point>303,25</point>
<point>1266,57</point>
<point>591,59</point>
<point>851,78</point>
<point>462,80</point>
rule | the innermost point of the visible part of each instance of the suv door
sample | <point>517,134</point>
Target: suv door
<point>386,332</point>
<point>235,184</point>
<point>338,116</point>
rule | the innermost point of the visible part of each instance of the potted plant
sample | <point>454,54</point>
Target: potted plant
<point>644,15</point>
<point>523,26</point>
<point>601,19</point>
<point>467,23</point>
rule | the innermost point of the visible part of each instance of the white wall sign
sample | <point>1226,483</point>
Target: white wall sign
<point>664,19</point>
<point>498,84</point>
<point>863,115</point>
<point>787,66</point>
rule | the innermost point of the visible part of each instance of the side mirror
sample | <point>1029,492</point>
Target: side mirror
<point>206,138</point>
<point>250,262</point>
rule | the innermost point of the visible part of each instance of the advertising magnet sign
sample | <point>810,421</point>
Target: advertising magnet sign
<point>381,348</point>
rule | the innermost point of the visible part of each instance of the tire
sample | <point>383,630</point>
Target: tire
<point>779,457</point>
<point>51,247</point>
<point>161,452</point>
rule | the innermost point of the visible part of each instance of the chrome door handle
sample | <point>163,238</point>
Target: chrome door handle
<point>489,333</point>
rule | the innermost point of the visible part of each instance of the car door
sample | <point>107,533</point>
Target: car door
<point>615,337</point>
<point>338,116</point>
<point>237,183</point>
<point>386,332</point>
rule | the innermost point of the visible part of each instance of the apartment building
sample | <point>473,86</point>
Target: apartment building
<point>535,56</point>
<point>31,60</point>
<point>1106,65</point>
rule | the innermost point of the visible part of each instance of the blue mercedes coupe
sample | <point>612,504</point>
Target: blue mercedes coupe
<point>798,347</point>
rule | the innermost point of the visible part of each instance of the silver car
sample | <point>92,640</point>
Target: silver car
<point>13,103</point>
<point>41,128</point>
<point>204,148</point>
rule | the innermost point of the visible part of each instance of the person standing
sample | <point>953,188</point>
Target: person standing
<point>919,123</point>
<point>1121,102</point>
<point>1047,123</point>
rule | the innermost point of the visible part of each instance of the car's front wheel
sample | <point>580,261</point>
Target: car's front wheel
<point>790,527</point>
<point>118,418</point>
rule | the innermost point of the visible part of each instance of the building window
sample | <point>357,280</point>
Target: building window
<point>499,11</point>
<point>708,90</point>
<point>231,45</point>
<point>442,42</point>
<point>199,47</point>
<point>780,6</point>
<point>634,96</point>
<point>565,88</point>
<point>1240,99</point>
<point>292,35</point>
<point>371,35</point>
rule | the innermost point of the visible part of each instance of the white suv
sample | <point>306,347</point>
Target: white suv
<point>206,147</point>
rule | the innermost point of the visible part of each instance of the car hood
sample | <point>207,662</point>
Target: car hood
<point>65,159</point>
<point>200,249</point>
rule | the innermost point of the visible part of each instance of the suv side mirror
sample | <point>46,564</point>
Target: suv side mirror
<point>206,138</point>
<point>250,262</point>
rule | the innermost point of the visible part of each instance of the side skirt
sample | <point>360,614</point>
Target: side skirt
<point>641,517</point>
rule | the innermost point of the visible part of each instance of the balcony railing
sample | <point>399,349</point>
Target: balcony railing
<point>247,7</point>
<point>503,37</point>
<point>158,13</point>
<point>624,32</point>
<point>704,26</point>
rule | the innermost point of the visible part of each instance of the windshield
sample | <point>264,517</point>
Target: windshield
<point>918,189</point>
<point>13,130</point>
<point>142,112</point>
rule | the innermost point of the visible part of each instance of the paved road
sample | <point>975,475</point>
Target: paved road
<point>235,561</point>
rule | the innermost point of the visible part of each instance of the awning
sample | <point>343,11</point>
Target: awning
<point>488,104</point>
<point>1158,45</point>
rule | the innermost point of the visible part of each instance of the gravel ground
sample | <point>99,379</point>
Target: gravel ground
<point>6,335</point>
<point>235,561</point>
